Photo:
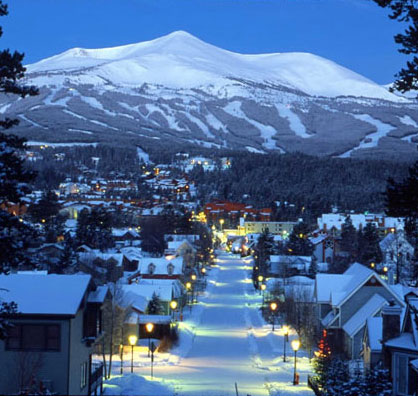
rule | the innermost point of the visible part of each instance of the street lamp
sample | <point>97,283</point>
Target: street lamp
<point>260,278</point>
<point>121,358</point>
<point>173,306</point>
<point>149,327</point>
<point>193,277</point>
<point>221,222</point>
<point>203,270</point>
<point>285,340</point>
<point>132,340</point>
<point>263,289</point>
<point>273,307</point>
<point>295,347</point>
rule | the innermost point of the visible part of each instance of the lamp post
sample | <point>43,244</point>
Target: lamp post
<point>263,289</point>
<point>173,306</point>
<point>221,222</point>
<point>295,347</point>
<point>273,307</point>
<point>188,289</point>
<point>121,358</point>
<point>149,327</point>
<point>132,340</point>
<point>285,340</point>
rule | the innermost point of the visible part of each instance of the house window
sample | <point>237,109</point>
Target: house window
<point>84,375</point>
<point>28,337</point>
<point>170,269</point>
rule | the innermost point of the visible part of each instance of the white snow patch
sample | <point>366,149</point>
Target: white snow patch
<point>35,143</point>
<point>266,131</point>
<point>80,131</point>
<point>407,120</point>
<point>254,150</point>
<point>410,137</point>
<point>372,139</point>
<point>294,121</point>
<point>142,155</point>
<point>33,123</point>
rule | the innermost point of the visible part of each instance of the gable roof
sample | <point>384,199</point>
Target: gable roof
<point>374,333</point>
<point>335,289</point>
<point>358,320</point>
<point>45,294</point>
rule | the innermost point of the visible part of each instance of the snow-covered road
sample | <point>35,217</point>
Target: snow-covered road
<point>224,340</point>
<point>232,344</point>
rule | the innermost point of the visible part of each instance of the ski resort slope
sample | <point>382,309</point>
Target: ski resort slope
<point>232,344</point>
<point>180,60</point>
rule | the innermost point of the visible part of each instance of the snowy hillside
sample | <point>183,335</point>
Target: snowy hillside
<point>180,60</point>
<point>178,90</point>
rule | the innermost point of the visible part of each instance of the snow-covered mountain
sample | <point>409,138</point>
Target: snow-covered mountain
<point>179,89</point>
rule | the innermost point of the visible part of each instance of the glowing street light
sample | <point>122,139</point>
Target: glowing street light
<point>173,306</point>
<point>149,327</point>
<point>285,340</point>
<point>193,277</point>
<point>132,340</point>
<point>203,270</point>
<point>221,222</point>
<point>263,289</point>
<point>260,278</point>
<point>273,307</point>
<point>295,347</point>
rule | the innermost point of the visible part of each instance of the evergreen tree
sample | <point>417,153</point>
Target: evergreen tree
<point>348,242</point>
<point>46,208</point>
<point>405,11</point>
<point>322,360</point>
<point>298,243</point>
<point>369,249</point>
<point>263,250</point>
<point>402,200</point>
<point>94,229</point>
<point>378,382</point>
<point>15,235</point>
<point>155,306</point>
<point>68,258</point>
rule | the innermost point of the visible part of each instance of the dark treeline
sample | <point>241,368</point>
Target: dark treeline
<point>313,185</point>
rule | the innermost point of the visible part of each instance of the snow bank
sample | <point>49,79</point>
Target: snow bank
<point>133,384</point>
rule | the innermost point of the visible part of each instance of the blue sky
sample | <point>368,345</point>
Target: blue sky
<point>354,33</point>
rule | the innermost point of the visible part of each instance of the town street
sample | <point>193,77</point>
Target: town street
<point>232,344</point>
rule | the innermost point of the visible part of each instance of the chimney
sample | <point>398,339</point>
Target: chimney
<point>391,315</point>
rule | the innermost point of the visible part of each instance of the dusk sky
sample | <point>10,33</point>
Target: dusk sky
<point>354,33</point>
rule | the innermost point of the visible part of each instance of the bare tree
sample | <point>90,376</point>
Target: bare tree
<point>28,365</point>
<point>115,313</point>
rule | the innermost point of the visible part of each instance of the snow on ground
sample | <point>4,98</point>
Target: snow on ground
<point>34,143</point>
<point>180,60</point>
<point>294,121</point>
<point>266,131</point>
<point>142,155</point>
<point>407,120</point>
<point>223,341</point>
<point>372,139</point>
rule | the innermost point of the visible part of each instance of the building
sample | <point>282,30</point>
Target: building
<point>346,301</point>
<point>49,345</point>
<point>283,228</point>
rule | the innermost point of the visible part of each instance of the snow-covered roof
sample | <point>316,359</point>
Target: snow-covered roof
<point>334,289</point>
<point>120,232</point>
<point>45,294</point>
<point>161,265</point>
<point>374,333</point>
<point>133,299</point>
<point>99,295</point>
<point>369,309</point>
<point>132,253</point>
<point>166,289</point>
<point>404,341</point>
